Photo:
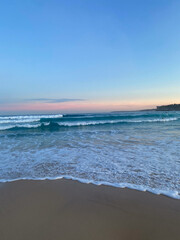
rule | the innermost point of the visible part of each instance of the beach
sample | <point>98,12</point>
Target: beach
<point>66,209</point>
<point>90,120</point>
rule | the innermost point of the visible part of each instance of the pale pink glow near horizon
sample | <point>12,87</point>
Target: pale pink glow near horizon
<point>85,106</point>
<point>82,106</point>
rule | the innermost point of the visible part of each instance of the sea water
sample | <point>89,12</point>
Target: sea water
<point>139,150</point>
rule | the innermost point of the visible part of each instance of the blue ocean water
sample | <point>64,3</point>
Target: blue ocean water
<point>139,150</point>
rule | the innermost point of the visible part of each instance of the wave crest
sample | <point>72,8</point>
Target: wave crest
<point>53,125</point>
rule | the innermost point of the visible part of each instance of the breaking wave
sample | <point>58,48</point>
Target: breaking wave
<point>55,125</point>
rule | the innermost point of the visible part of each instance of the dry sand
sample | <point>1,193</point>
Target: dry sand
<point>65,209</point>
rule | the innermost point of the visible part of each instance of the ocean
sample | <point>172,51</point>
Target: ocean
<point>138,150</point>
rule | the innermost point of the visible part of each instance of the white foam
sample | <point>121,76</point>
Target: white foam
<point>29,117</point>
<point>22,125</point>
<point>19,121</point>
<point>8,122</point>
<point>86,123</point>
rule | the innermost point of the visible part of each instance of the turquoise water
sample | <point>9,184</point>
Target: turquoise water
<point>138,150</point>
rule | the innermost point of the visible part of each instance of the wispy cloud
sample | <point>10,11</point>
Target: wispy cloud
<point>54,100</point>
<point>41,100</point>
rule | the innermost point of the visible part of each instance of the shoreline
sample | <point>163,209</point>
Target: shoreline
<point>67,209</point>
<point>170,194</point>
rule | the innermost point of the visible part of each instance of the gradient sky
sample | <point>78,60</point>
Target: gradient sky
<point>88,55</point>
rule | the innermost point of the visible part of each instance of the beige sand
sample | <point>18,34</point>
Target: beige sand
<point>65,209</point>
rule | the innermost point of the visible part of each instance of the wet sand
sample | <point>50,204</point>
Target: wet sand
<point>65,209</point>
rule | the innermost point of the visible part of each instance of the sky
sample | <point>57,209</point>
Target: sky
<point>88,55</point>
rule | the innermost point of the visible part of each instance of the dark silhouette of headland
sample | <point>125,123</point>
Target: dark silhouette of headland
<point>171,107</point>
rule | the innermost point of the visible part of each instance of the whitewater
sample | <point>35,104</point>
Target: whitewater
<point>138,150</point>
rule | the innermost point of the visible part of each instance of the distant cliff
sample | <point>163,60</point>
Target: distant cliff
<point>171,107</point>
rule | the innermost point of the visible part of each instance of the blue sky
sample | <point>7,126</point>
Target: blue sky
<point>93,54</point>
